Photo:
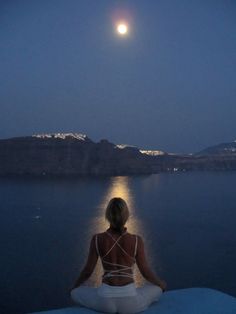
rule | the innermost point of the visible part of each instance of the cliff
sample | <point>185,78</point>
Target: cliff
<point>70,154</point>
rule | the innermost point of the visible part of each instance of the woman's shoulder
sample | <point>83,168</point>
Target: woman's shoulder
<point>130,235</point>
<point>135,236</point>
<point>139,242</point>
<point>98,235</point>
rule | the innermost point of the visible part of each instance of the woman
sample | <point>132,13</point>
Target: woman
<point>118,250</point>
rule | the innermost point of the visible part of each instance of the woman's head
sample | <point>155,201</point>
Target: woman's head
<point>117,213</point>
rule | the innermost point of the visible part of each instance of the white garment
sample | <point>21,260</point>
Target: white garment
<point>91,298</point>
<point>117,291</point>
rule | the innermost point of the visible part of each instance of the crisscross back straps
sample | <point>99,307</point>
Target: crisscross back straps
<point>120,272</point>
<point>136,245</point>
<point>96,244</point>
<point>116,242</point>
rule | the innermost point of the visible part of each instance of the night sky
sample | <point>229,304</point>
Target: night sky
<point>169,84</point>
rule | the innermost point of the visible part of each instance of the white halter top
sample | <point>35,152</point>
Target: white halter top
<point>122,269</point>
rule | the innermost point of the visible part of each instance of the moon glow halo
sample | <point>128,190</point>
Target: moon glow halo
<point>122,29</point>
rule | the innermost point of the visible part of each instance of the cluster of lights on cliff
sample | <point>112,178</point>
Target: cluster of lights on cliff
<point>152,152</point>
<point>78,136</point>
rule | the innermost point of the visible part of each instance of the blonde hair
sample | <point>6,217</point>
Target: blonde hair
<point>117,213</point>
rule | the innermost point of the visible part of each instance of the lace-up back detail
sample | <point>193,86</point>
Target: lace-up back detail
<point>121,270</point>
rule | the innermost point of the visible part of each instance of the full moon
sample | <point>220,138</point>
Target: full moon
<point>122,29</point>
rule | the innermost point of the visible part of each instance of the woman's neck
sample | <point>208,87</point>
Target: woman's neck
<point>121,230</point>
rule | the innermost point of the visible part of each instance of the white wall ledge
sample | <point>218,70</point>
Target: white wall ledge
<point>182,301</point>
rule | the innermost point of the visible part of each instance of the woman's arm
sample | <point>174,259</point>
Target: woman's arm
<point>90,264</point>
<point>144,267</point>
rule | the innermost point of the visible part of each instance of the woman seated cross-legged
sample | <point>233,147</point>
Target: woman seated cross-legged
<point>119,250</point>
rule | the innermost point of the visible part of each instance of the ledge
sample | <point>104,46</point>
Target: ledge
<point>182,301</point>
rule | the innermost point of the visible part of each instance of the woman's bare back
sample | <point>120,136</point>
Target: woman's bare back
<point>123,253</point>
<point>102,243</point>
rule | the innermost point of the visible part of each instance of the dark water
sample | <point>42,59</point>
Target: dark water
<point>187,220</point>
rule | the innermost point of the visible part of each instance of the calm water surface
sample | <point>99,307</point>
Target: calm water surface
<point>186,219</point>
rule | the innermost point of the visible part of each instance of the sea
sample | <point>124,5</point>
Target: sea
<point>187,221</point>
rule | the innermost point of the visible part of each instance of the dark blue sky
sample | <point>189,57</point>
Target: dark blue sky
<point>170,84</point>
